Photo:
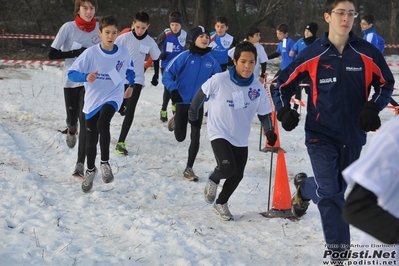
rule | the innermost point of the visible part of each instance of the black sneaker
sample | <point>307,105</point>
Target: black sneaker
<point>299,205</point>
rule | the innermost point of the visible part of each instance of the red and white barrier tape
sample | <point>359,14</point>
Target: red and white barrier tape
<point>299,102</point>
<point>31,62</point>
<point>49,37</point>
<point>386,45</point>
<point>26,36</point>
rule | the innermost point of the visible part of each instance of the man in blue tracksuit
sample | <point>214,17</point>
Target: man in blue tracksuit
<point>341,108</point>
<point>183,76</point>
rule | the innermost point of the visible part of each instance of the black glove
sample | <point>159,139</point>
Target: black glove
<point>176,97</point>
<point>271,138</point>
<point>368,119</point>
<point>154,80</point>
<point>163,56</point>
<point>289,118</point>
<point>77,52</point>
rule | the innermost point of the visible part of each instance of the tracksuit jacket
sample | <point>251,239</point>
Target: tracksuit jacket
<point>340,86</point>
<point>187,72</point>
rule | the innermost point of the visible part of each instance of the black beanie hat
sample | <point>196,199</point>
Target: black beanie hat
<point>175,20</point>
<point>312,27</point>
<point>197,31</point>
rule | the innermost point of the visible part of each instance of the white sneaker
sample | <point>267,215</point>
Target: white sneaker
<point>71,139</point>
<point>87,183</point>
<point>223,211</point>
<point>210,190</point>
<point>171,124</point>
<point>106,171</point>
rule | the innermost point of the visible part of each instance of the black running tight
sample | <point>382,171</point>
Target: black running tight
<point>99,126</point>
<point>74,100</point>
<point>181,120</point>
<point>231,162</point>
<point>131,104</point>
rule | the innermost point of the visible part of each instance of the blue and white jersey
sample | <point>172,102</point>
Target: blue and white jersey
<point>109,85</point>
<point>220,46</point>
<point>231,108</point>
<point>284,47</point>
<point>172,44</point>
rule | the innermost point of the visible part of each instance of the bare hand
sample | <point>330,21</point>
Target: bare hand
<point>92,76</point>
<point>128,92</point>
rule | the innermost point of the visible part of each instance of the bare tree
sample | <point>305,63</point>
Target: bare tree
<point>266,7</point>
<point>394,14</point>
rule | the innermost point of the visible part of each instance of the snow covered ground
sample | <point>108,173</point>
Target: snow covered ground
<point>149,215</point>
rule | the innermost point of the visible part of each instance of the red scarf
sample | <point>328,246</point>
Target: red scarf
<point>84,25</point>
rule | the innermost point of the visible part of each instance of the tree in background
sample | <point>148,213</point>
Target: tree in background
<point>46,16</point>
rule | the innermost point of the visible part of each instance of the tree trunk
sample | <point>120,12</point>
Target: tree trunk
<point>394,14</point>
<point>203,13</point>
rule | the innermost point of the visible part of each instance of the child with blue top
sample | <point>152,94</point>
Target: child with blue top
<point>284,47</point>
<point>183,77</point>
<point>370,34</point>
<point>103,68</point>
<point>221,42</point>
<point>309,36</point>
<point>302,43</point>
<point>172,41</point>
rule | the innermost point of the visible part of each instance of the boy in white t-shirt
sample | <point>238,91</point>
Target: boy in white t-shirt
<point>72,39</point>
<point>139,44</point>
<point>103,68</point>
<point>252,34</point>
<point>234,97</point>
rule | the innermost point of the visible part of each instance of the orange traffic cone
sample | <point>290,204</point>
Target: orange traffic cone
<point>281,204</point>
<point>276,146</point>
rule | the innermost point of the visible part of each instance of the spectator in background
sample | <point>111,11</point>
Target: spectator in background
<point>71,40</point>
<point>309,37</point>
<point>370,34</point>
<point>341,108</point>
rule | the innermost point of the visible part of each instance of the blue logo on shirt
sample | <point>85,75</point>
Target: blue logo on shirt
<point>253,94</point>
<point>119,65</point>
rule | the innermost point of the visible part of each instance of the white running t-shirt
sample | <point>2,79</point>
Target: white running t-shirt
<point>231,108</point>
<point>69,35</point>
<point>138,49</point>
<point>378,171</point>
<point>111,69</point>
